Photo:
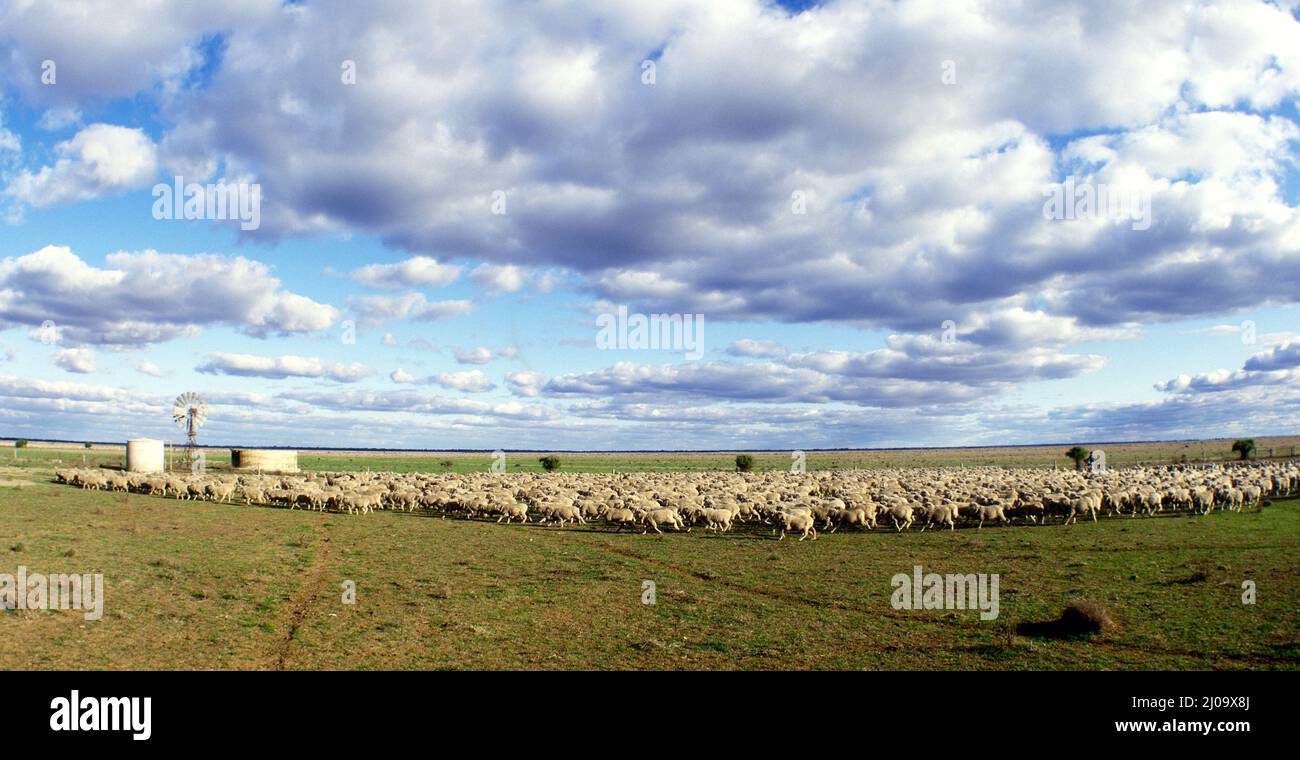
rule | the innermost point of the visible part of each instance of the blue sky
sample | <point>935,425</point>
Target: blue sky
<point>850,193</point>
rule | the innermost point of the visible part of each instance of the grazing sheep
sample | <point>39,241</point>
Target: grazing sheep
<point>902,514</point>
<point>718,519</point>
<point>988,512</point>
<point>943,514</point>
<point>1088,503</point>
<point>623,518</point>
<point>800,520</point>
<point>656,517</point>
<point>516,511</point>
<point>858,516</point>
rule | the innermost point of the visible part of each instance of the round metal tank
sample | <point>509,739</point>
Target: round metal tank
<point>264,460</point>
<point>144,455</point>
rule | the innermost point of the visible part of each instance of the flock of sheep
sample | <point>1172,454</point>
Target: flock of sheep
<point>717,501</point>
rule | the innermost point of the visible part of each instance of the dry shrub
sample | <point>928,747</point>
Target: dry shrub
<point>1082,617</point>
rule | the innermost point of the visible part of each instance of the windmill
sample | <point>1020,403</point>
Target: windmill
<point>190,412</point>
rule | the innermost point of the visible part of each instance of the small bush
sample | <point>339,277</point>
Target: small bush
<point>550,462</point>
<point>744,463</point>
<point>89,445</point>
<point>446,464</point>
<point>21,443</point>
<point>1084,616</point>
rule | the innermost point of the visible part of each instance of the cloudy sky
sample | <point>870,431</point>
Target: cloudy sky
<point>899,223</point>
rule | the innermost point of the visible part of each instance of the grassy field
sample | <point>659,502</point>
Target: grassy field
<point>217,586</point>
<point>42,456</point>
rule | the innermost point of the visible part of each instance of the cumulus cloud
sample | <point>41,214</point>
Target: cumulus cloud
<point>494,278</point>
<point>373,311</point>
<point>147,44</point>
<point>930,210</point>
<point>734,187</point>
<point>150,369</point>
<point>525,383</point>
<point>79,360</point>
<point>9,142</point>
<point>281,367</point>
<point>415,272</point>
<point>147,297</point>
<point>478,355</point>
<point>469,381</point>
<point>419,403</point>
<point>748,347</point>
<point>402,377</point>
<point>55,119</point>
<point>769,382</point>
<point>1277,365</point>
<point>100,160</point>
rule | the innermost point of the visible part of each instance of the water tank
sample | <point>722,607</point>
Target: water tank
<point>144,455</point>
<point>264,460</point>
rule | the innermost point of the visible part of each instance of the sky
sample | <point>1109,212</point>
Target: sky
<point>877,224</point>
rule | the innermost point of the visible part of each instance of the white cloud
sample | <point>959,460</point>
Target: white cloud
<point>112,48</point>
<point>469,381</point>
<point>373,311</point>
<point>100,160</point>
<point>418,271</point>
<point>79,360</point>
<point>757,348</point>
<point>499,278</point>
<point>280,367</point>
<point>150,369</point>
<point>55,119</point>
<point>479,355</point>
<point>149,297</point>
<point>403,377</point>
<point>525,383</point>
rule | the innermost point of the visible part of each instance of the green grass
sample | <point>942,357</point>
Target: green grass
<point>216,586</point>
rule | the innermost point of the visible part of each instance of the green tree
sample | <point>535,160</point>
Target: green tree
<point>1245,447</point>
<point>550,462</point>
<point>1078,454</point>
<point>21,443</point>
<point>744,463</point>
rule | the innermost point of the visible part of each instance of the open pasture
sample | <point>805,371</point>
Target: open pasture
<point>200,584</point>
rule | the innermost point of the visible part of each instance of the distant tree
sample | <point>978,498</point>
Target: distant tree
<point>550,462</point>
<point>744,463</point>
<point>21,443</point>
<point>89,445</point>
<point>1245,447</point>
<point>1078,454</point>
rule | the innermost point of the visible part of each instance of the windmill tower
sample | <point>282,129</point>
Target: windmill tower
<point>189,411</point>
